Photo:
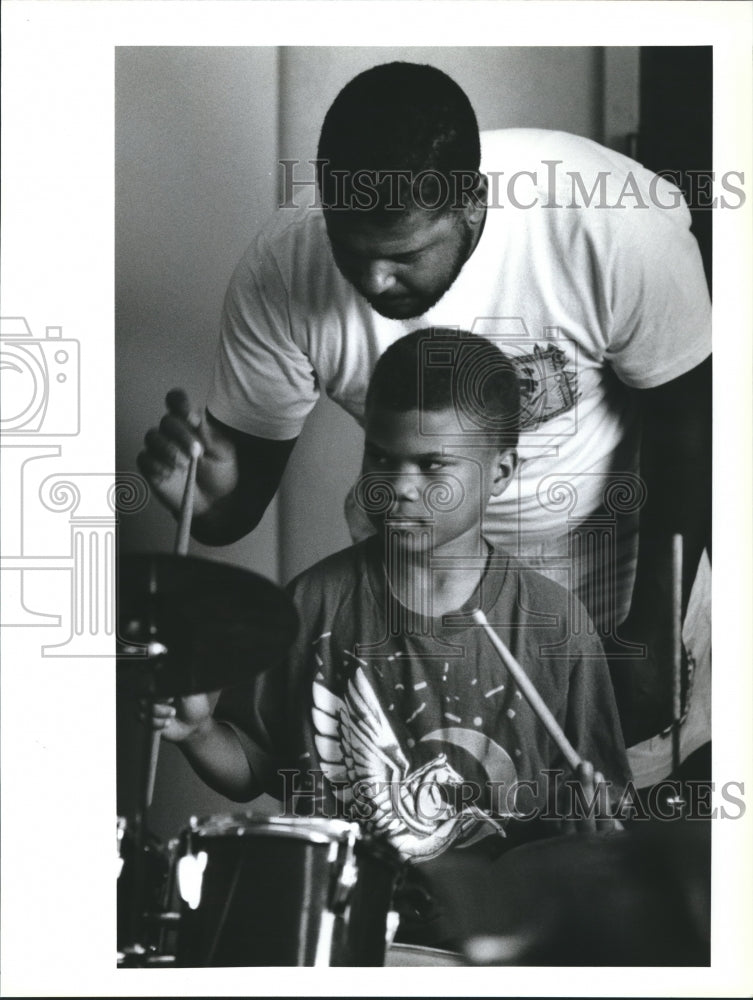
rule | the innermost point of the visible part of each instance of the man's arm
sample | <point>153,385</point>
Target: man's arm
<point>675,466</point>
<point>676,443</point>
<point>237,474</point>
<point>261,463</point>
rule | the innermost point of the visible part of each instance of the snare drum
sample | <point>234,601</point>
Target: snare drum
<point>282,891</point>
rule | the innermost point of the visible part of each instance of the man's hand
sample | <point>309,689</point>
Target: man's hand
<point>165,458</point>
<point>236,476</point>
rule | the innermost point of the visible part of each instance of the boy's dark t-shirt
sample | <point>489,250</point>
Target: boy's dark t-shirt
<point>412,724</point>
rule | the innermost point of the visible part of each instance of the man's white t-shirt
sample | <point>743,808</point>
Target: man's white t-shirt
<point>586,274</point>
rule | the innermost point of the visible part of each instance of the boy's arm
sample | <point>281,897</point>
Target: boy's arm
<point>211,747</point>
<point>236,739</point>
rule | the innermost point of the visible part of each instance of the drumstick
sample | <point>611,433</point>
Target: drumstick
<point>153,757</point>
<point>181,549</point>
<point>186,507</point>
<point>530,693</point>
<point>676,648</point>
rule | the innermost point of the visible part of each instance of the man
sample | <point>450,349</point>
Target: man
<point>575,259</point>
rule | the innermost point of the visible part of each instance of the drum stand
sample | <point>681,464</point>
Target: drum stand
<point>136,953</point>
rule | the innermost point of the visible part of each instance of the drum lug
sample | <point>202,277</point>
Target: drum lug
<point>391,925</point>
<point>346,877</point>
<point>166,919</point>
<point>191,878</point>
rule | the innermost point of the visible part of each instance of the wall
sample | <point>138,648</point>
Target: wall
<point>196,135</point>
<point>195,153</point>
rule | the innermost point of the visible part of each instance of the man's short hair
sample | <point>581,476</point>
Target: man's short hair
<point>398,136</point>
<point>437,369</point>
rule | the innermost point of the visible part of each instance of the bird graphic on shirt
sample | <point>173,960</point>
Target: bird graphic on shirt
<point>362,759</point>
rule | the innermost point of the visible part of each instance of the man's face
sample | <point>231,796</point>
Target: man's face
<point>404,265</point>
<point>424,480</point>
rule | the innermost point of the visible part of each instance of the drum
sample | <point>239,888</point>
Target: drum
<point>282,891</point>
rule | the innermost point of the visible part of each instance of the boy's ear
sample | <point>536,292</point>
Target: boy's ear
<point>505,464</point>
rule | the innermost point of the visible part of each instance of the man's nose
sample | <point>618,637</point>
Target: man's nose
<point>377,277</point>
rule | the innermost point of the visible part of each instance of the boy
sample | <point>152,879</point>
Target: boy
<point>393,707</point>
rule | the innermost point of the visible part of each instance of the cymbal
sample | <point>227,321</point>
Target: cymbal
<point>189,625</point>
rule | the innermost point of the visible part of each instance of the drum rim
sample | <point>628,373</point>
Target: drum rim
<point>312,829</point>
<point>428,950</point>
<point>317,829</point>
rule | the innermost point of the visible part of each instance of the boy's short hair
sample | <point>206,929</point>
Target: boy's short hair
<point>437,369</point>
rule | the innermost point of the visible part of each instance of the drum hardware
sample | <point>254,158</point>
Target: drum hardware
<point>676,802</point>
<point>344,878</point>
<point>143,874</point>
<point>182,540</point>
<point>346,873</point>
<point>120,835</point>
<point>391,928</point>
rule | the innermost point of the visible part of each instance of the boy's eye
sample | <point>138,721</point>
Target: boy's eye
<point>433,465</point>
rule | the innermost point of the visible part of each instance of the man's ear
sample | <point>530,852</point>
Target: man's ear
<point>475,201</point>
<point>505,464</point>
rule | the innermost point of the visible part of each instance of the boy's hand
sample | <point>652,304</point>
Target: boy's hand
<point>179,718</point>
<point>594,804</point>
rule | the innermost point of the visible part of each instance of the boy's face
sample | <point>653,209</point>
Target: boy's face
<point>427,481</point>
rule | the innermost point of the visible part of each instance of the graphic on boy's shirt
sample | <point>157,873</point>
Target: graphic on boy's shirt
<point>421,812</point>
<point>547,386</point>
